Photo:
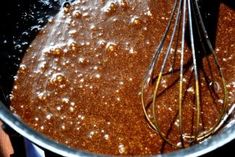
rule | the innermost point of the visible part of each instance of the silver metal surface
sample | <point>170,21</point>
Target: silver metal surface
<point>212,143</point>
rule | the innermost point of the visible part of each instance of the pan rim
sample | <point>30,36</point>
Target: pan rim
<point>214,142</point>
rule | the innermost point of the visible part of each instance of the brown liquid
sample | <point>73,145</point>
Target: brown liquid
<point>80,80</point>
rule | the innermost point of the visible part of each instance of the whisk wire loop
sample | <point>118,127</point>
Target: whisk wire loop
<point>199,22</point>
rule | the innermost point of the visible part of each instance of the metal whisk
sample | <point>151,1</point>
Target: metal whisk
<point>185,16</point>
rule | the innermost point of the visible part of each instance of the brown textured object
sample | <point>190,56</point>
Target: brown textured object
<point>5,144</point>
<point>80,80</point>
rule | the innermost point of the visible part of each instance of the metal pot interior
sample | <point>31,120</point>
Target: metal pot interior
<point>26,20</point>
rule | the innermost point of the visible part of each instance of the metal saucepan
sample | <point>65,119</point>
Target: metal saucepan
<point>20,23</point>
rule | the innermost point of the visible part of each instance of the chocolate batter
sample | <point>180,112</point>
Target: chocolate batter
<point>80,79</point>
